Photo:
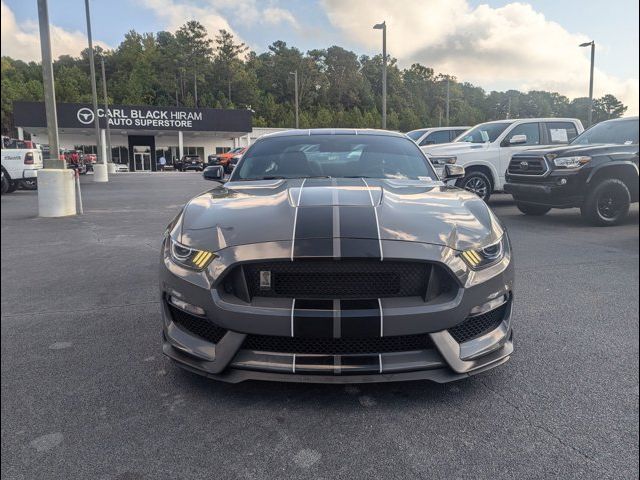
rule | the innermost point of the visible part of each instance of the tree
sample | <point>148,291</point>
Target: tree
<point>608,107</point>
<point>336,87</point>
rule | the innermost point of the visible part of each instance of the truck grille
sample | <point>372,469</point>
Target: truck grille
<point>336,346</point>
<point>338,279</point>
<point>528,166</point>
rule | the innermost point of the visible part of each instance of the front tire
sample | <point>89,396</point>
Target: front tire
<point>533,210</point>
<point>607,204</point>
<point>6,184</point>
<point>477,182</point>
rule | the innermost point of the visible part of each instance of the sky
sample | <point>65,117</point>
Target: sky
<point>495,44</point>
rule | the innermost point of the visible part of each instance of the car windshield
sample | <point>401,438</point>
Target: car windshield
<point>336,156</point>
<point>621,132</point>
<point>483,133</point>
<point>415,134</point>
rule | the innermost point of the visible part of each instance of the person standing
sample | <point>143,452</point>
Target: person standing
<point>162,162</point>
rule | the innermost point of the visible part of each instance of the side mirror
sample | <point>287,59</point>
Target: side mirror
<point>518,140</point>
<point>214,172</point>
<point>451,172</point>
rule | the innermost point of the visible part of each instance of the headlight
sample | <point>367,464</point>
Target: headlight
<point>189,257</point>
<point>571,162</point>
<point>443,160</point>
<point>486,256</point>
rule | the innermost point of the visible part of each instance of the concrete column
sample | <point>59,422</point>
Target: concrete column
<point>56,192</point>
<point>248,139</point>
<point>180,145</point>
<point>20,133</point>
<point>103,144</point>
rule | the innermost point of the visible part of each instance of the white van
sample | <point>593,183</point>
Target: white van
<point>486,149</point>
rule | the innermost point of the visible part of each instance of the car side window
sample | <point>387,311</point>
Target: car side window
<point>433,138</point>
<point>456,133</point>
<point>561,132</point>
<point>531,130</point>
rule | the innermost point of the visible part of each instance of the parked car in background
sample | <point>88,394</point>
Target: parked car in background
<point>597,172</point>
<point>435,135</point>
<point>224,159</point>
<point>486,149</point>
<point>20,165</point>
<point>189,162</point>
<point>122,167</point>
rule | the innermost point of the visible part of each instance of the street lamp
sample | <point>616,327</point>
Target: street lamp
<point>100,169</point>
<point>295,80</point>
<point>591,44</point>
<point>383,26</point>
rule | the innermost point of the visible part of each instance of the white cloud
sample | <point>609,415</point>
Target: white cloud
<point>23,40</point>
<point>276,16</point>
<point>508,47</point>
<point>214,14</point>
<point>175,14</point>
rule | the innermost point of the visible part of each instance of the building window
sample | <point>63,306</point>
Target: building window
<point>220,150</point>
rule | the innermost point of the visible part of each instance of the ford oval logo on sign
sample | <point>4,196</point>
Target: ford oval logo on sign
<point>85,115</point>
<point>524,165</point>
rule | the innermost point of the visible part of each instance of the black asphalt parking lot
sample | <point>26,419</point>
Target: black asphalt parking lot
<point>87,393</point>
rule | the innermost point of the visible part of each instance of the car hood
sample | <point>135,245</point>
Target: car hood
<point>568,150</point>
<point>454,148</point>
<point>241,213</point>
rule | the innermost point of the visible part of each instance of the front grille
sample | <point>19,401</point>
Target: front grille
<point>474,327</point>
<point>339,279</point>
<point>528,166</point>
<point>201,327</point>
<point>336,346</point>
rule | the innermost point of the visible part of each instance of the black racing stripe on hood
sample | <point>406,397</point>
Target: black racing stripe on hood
<point>314,222</point>
<point>358,222</point>
<point>359,248</point>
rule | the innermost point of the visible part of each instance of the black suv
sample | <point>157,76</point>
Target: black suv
<point>597,172</point>
<point>189,162</point>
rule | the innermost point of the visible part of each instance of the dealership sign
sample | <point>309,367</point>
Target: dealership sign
<point>73,115</point>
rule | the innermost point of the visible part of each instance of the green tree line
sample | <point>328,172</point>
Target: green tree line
<point>337,87</point>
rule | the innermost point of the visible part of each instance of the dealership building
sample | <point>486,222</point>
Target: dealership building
<point>141,134</point>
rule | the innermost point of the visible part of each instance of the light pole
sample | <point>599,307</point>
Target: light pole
<point>295,80</point>
<point>591,44</point>
<point>106,110</point>
<point>49,89</point>
<point>448,99</point>
<point>100,169</point>
<point>383,26</point>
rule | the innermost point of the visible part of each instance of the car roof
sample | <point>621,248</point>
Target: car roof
<point>333,131</point>
<point>537,119</point>
<point>435,129</point>
<point>621,119</point>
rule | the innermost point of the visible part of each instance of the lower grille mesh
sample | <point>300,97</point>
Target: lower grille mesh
<point>336,346</point>
<point>474,327</point>
<point>198,326</point>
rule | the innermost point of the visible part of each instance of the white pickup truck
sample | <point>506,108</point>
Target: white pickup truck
<point>486,149</point>
<point>20,166</point>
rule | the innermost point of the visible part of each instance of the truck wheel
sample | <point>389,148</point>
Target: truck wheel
<point>607,203</point>
<point>5,184</point>
<point>533,210</point>
<point>478,183</point>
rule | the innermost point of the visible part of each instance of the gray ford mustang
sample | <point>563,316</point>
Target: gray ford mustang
<point>336,256</point>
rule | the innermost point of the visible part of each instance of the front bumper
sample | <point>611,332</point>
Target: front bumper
<point>559,189</point>
<point>231,358</point>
